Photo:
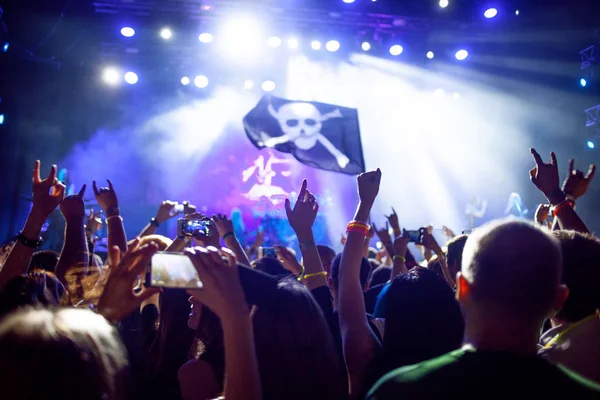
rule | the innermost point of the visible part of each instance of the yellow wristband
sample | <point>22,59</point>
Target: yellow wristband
<point>399,257</point>
<point>301,274</point>
<point>322,273</point>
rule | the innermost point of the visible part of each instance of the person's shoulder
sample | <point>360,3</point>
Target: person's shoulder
<point>416,377</point>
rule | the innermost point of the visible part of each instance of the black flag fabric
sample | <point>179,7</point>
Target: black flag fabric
<point>320,135</point>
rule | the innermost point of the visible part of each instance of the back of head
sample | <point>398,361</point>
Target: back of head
<point>513,268</point>
<point>44,259</point>
<point>365,271</point>
<point>327,254</point>
<point>161,241</point>
<point>62,354</point>
<point>581,274</point>
<point>423,319</point>
<point>454,254</point>
<point>271,266</point>
<point>380,275</point>
<point>294,347</point>
<point>38,288</point>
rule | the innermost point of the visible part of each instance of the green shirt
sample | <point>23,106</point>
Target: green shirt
<point>475,374</point>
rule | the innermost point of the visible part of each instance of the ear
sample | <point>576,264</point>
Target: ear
<point>463,288</point>
<point>562,293</point>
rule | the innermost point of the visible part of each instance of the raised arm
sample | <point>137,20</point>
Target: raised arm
<point>545,177</point>
<point>360,343</point>
<point>400,248</point>
<point>225,229</point>
<point>223,294</point>
<point>74,259</point>
<point>107,199</point>
<point>165,212</point>
<point>47,195</point>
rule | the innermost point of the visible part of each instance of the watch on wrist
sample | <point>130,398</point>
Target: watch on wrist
<point>154,222</point>
<point>34,244</point>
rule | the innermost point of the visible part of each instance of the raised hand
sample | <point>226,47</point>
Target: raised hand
<point>545,176</point>
<point>47,193</point>
<point>72,207</point>
<point>542,213</point>
<point>393,220</point>
<point>430,243</point>
<point>384,234</point>
<point>576,184</point>
<point>212,239</point>
<point>221,291</point>
<point>448,232</point>
<point>118,299</point>
<point>289,261</point>
<point>107,199</point>
<point>94,223</point>
<point>165,211</point>
<point>304,213</point>
<point>223,224</point>
<point>401,244</point>
<point>368,186</point>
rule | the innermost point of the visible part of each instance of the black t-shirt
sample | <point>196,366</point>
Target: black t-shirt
<point>474,374</point>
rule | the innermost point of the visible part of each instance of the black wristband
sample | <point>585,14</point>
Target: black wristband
<point>556,197</point>
<point>34,244</point>
<point>225,236</point>
<point>154,222</point>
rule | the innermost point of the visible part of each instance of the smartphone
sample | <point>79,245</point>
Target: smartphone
<point>415,236</point>
<point>188,208</point>
<point>172,270</point>
<point>197,228</point>
<point>267,252</point>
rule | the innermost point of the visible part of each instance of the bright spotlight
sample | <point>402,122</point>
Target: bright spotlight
<point>316,45</point>
<point>456,95</point>
<point>127,31</point>
<point>111,76</point>
<point>439,93</point>
<point>430,55</point>
<point>461,55</point>
<point>293,43</point>
<point>185,81</point>
<point>5,47</point>
<point>205,37</point>
<point>248,84</point>
<point>490,13</point>
<point>241,38</point>
<point>131,77</point>
<point>444,3</point>
<point>583,82</point>
<point>366,46</point>
<point>348,1</point>
<point>268,86</point>
<point>396,50</point>
<point>274,42</point>
<point>332,45</point>
<point>517,13</point>
<point>166,33</point>
<point>590,144</point>
<point>1,119</point>
<point>201,81</point>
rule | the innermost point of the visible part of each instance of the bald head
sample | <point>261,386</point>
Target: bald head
<point>512,267</point>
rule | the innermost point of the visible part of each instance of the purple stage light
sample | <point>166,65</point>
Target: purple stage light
<point>490,13</point>
<point>127,31</point>
<point>461,55</point>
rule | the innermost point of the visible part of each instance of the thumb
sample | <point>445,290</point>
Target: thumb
<point>533,173</point>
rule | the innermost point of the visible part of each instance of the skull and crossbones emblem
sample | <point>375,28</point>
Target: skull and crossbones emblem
<point>301,124</point>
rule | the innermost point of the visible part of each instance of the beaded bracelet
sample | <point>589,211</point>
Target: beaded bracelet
<point>321,273</point>
<point>562,204</point>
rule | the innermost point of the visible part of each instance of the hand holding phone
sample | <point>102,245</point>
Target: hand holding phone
<point>172,270</point>
<point>270,252</point>
<point>415,236</point>
<point>196,228</point>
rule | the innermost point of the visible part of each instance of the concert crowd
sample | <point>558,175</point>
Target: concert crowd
<point>509,309</point>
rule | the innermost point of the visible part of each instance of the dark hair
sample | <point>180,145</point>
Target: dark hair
<point>380,275</point>
<point>423,319</point>
<point>454,253</point>
<point>208,345</point>
<point>44,259</point>
<point>294,347</point>
<point>581,274</point>
<point>38,288</point>
<point>61,354</point>
<point>326,252</point>
<point>365,270</point>
<point>271,266</point>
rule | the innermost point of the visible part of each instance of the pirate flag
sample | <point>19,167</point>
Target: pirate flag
<point>319,135</point>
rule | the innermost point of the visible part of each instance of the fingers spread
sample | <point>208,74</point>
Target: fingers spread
<point>536,157</point>
<point>36,172</point>
<point>553,159</point>
<point>591,172</point>
<point>95,188</point>
<point>82,192</point>
<point>110,185</point>
<point>571,165</point>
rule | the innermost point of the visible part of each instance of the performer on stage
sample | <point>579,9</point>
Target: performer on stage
<point>264,175</point>
<point>475,211</point>
<point>515,206</point>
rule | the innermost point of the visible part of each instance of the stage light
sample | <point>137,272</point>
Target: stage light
<point>430,55</point>
<point>456,95</point>
<point>1,119</point>
<point>131,77</point>
<point>332,45</point>
<point>241,37</point>
<point>348,1</point>
<point>127,31</point>
<point>590,144</point>
<point>366,46</point>
<point>396,50</point>
<point>293,43</point>
<point>490,13</point>
<point>517,13</point>
<point>5,47</point>
<point>268,86</point>
<point>461,55</point>
<point>439,93</point>
<point>248,84</point>
<point>185,81</point>
<point>444,3</point>
<point>583,82</point>
<point>111,76</point>
<point>316,45</point>
<point>166,33</point>
<point>205,37</point>
<point>201,81</point>
<point>274,42</point>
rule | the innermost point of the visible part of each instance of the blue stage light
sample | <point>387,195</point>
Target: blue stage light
<point>490,13</point>
<point>583,82</point>
<point>127,31</point>
<point>366,46</point>
<point>332,45</point>
<point>396,50</point>
<point>590,144</point>
<point>461,55</point>
<point>131,77</point>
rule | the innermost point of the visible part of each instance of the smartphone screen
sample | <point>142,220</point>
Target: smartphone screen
<point>194,227</point>
<point>414,236</point>
<point>267,252</point>
<point>172,270</point>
